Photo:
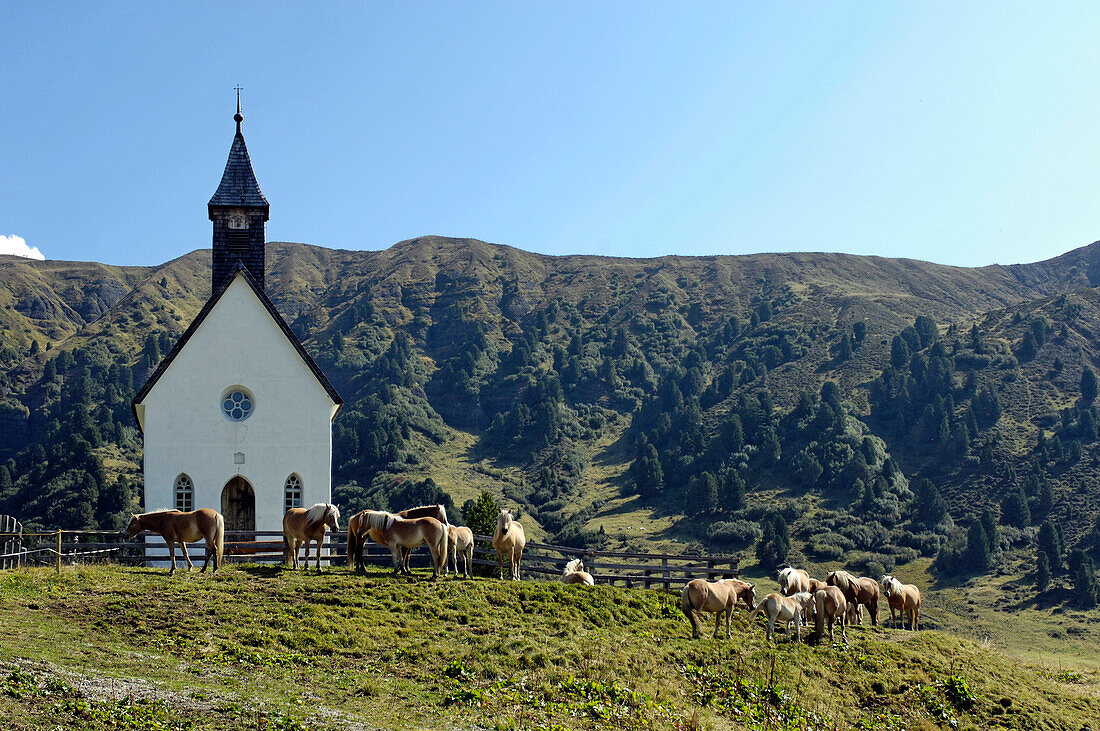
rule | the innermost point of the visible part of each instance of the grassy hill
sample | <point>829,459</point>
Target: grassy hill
<point>470,367</point>
<point>260,647</point>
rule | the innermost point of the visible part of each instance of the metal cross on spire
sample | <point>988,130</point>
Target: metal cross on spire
<point>238,117</point>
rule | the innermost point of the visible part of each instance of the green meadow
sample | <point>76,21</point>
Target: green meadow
<point>256,647</point>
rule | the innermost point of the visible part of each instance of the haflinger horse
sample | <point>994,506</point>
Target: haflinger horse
<point>863,590</point>
<point>830,606</point>
<point>358,533</point>
<point>719,596</point>
<point>792,581</point>
<point>183,528</point>
<point>779,608</point>
<point>904,599</point>
<point>304,525</point>
<point>574,573</point>
<point>396,532</point>
<point>509,540</point>
<point>460,542</point>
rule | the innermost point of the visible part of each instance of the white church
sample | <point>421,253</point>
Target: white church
<point>238,416</point>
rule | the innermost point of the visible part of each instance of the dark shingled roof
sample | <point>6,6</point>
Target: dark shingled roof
<point>238,186</point>
<point>167,361</point>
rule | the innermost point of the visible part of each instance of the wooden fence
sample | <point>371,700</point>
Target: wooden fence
<point>11,547</point>
<point>541,560</point>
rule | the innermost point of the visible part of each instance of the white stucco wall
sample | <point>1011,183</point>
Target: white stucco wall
<point>289,431</point>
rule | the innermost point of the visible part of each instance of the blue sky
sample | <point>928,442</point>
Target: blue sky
<point>965,136</point>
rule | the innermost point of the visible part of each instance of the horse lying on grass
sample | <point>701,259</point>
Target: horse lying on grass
<point>575,574</point>
<point>183,528</point>
<point>904,599</point>
<point>779,608</point>
<point>719,596</point>
<point>303,525</point>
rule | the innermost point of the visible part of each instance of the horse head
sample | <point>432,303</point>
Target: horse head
<point>784,578</point>
<point>504,520</point>
<point>573,566</point>
<point>332,517</point>
<point>748,595</point>
<point>134,527</point>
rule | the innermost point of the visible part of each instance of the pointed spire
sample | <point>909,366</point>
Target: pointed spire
<point>238,186</point>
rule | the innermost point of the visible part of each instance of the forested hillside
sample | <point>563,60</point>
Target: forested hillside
<point>800,406</point>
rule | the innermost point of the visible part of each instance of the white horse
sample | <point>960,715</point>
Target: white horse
<point>575,574</point>
<point>786,609</point>
<point>509,541</point>
<point>792,581</point>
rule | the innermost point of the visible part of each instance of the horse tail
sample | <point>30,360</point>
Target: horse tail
<point>353,542</point>
<point>685,601</point>
<point>444,543</point>
<point>287,558</point>
<point>219,541</point>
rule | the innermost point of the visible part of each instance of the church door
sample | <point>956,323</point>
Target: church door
<point>239,505</point>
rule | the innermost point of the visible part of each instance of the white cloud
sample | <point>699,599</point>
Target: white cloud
<point>18,245</point>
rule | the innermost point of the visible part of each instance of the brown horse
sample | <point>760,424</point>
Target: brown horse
<point>719,596</point>
<point>303,525</point>
<point>183,528</point>
<point>397,533</point>
<point>830,606</point>
<point>460,541</point>
<point>863,590</point>
<point>575,574</point>
<point>358,534</point>
<point>904,599</point>
<point>509,540</point>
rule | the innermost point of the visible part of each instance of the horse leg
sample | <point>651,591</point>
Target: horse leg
<point>395,551</point>
<point>872,607</point>
<point>172,555</point>
<point>206,559</point>
<point>729,615</point>
<point>183,547</point>
<point>693,617</point>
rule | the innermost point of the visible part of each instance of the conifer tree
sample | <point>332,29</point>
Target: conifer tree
<point>977,548</point>
<point>1042,572</point>
<point>1088,386</point>
<point>1014,509</point>
<point>1051,544</point>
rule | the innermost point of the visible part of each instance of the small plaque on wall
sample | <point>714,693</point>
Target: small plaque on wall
<point>238,458</point>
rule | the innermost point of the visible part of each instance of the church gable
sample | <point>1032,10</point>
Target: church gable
<point>240,328</point>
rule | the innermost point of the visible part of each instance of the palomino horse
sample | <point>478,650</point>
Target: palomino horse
<point>397,533</point>
<point>719,596</point>
<point>183,528</point>
<point>830,606</point>
<point>792,581</point>
<point>904,599</point>
<point>303,525</point>
<point>358,534</point>
<point>779,608</point>
<point>575,574</point>
<point>509,540</point>
<point>460,542</point>
<point>863,590</point>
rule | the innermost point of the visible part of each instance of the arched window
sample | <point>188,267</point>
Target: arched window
<point>185,494</point>
<point>292,492</point>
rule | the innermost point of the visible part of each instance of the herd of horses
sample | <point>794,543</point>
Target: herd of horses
<point>401,532</point>
<point>839,599</point>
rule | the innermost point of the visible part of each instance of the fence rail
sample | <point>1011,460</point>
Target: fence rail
<point>539,559</point>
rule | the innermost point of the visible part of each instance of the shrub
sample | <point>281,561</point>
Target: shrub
<point>735,532</point>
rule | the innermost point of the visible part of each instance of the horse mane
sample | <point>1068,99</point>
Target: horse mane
<point>574,565</point>
<point>318,512</point>
<point>439,507</point>
<point>155,512</point>
<point>379,520</point>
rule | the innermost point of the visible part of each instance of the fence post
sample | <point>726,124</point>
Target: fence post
<point>667,575</point>
<point>59,550</point>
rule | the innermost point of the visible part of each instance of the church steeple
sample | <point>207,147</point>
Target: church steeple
<point>239,211</point>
